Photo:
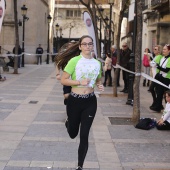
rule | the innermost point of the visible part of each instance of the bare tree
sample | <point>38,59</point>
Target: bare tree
<point>136,104</point>
<point>16,37</point>
<point>91,6</point>
<point>125,5</point>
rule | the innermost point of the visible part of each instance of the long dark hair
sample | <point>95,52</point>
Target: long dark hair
<point>62,58</point>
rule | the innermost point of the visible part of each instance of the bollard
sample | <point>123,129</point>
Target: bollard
<point>131,80</point>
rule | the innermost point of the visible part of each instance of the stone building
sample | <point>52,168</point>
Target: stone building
<point>36,27</point>
<point>70,24</point>
<point>156,23</point>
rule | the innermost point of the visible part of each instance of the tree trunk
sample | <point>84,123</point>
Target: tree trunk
<point>136,104</point>
<point>118,54</point>
<point>16,37</point>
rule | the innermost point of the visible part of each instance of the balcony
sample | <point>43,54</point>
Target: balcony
<point>161,5</point>
<point>158,3</point>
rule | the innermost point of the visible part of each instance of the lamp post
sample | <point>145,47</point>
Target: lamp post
<point>57,28</point>
<point>132,61</point>
<point>60,30</point>
<point>48,43</point>
<point>24,13</point>
<point>111,3</point>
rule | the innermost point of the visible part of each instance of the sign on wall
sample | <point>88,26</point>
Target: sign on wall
<point>2,12</point>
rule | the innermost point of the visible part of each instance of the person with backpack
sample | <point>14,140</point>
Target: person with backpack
<point>146,64</point>
<point>108,69</point>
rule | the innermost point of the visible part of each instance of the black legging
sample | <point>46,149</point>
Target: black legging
<point>108,74</point>
<point>81,109</point>
<point>165,126</point>
<point>160,90</point>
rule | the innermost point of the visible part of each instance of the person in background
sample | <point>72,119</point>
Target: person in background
<point>146,64</point>
<point>163,76</point>
<point>124,62</point>
<point>82,72</point>
<point>156,60</point>
<point>164,122</point>
<point>19,55</point>
<point>108,69</point>
<point>39,52</point>
<point>114,61</point>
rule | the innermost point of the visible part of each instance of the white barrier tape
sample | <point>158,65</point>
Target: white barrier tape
<point>154,80</point>
<point>13,55</point>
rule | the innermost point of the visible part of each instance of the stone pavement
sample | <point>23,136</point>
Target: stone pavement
<point>33,135</point>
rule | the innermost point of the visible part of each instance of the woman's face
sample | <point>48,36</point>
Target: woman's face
<point>146,50</point>
<point>167,98</point>
<point>86,46</point>
<point>155,50</point>
<point>165,51</point>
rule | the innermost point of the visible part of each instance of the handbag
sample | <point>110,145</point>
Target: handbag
<point>145,61</point>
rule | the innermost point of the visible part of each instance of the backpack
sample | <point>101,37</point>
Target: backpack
<point>146,61</point>
<point>146,124</point>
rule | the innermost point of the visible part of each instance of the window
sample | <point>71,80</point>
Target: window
<point>146,2</point>
<point>73,13</point>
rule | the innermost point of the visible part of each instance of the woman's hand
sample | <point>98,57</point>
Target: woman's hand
<point>100,87</point>
<point>160,122</point>
<point>58,76</point>
<point>84,82</point>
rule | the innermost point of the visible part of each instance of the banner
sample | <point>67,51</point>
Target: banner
<point>2,12</point>
<point>90,28</point>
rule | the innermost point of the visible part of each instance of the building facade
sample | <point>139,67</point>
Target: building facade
<point>156,23</point>
<point>36,27</point>
<point>69,20</point>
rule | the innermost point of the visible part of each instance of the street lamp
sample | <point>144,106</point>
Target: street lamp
<point>57,28</point>
<point>48,43</point>
<point>24,13</point>
<point>111,3</point>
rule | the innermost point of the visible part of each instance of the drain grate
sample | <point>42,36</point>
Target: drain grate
<point>33,102</point>
<point>121,121</point>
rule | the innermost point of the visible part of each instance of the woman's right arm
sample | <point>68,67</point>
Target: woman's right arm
<point>65,80</point>
<point>58,76</point>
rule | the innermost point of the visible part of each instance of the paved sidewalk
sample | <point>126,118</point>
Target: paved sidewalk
<point>33,135</point>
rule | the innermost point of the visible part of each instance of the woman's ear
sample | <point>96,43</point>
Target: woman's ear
<point>79,47</point>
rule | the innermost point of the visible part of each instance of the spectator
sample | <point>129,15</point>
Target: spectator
<point>156,60</point>
<point>146,64</point>
<point>124,62</point>
<point>164,122</point>
<point>114,61</point>
<point>108,68</point>
<point>19,55</point>
<point>39,51</point>
<point>163,76</point>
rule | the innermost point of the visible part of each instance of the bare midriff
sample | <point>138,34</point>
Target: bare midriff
<point>82,90</point>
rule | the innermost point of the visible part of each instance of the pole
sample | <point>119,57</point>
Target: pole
<point>110,27</point>
<point>100,33</point>
<point>132,62</point>
<point>23,39</point>
<point>48,46</point>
